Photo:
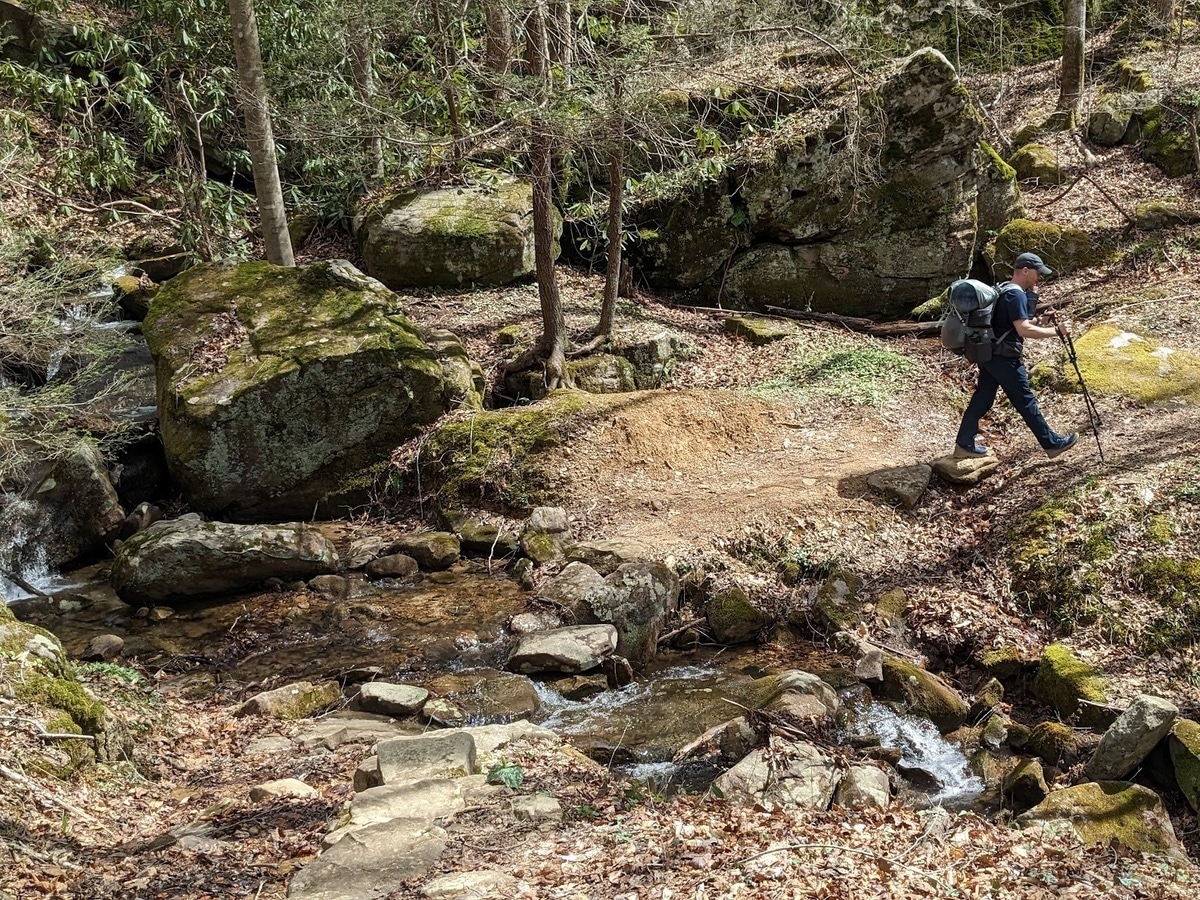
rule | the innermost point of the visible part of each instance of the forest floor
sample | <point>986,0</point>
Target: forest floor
<point>734,458</point>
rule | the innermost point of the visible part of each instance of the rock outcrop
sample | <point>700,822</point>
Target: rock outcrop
<point>803,225</point>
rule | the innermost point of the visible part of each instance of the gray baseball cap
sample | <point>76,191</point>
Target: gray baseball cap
<point>1032,261</point>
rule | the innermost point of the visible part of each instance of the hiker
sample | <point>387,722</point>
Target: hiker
<point>1014,319</point>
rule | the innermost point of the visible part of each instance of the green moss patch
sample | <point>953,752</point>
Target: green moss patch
<point>1124,364</point>
<point>70,697</point>
<point>1063,249</point>
<point>1063,679</point>
<point>502,457</point>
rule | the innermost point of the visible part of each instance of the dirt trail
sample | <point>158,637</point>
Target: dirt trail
<point>678,470</point>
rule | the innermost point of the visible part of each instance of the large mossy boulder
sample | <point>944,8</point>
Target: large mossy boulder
<point>1063,679</point>
<point>1167,139</point>
<point>283,391</point>
<point>478,233</point>
<point>1119,363</point>
<point>923,693</point>
<point>187,558</point>
<point>1064,249</point>
<point>1109,811</point>
<point>799,226</point>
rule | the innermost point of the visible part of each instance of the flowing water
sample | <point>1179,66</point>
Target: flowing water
<point>922,747</point>
<point>447,632</point>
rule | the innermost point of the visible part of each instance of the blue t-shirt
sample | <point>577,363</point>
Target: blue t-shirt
<point>1012,305</point>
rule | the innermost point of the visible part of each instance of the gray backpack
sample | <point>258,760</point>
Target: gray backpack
<point>967,323</point>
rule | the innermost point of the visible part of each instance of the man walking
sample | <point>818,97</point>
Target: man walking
<point>1013,319</point>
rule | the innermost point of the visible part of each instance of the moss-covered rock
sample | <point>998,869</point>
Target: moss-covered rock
<point>505,457</point>
<point>1129,76</point>
<point>1037,162</point>
<point>1062,249</point>
<point>1054,743</point>
<point>1184,744</point>
<point>797,227</point>
<point>34,670</point>
<point>602,373</point>
<point>1108,122</point>
<point>758,330</point>
<point>1120,363</point>
<point>134,294</point>
<point>732,618</point>
<point>1063,679</point>
<point>293,701</point>
<point>1024,785</point>
<point>186,558</point>
<point>1155,214</point>
<point>1109,811</point>
<point>281,391</point>
<point>479,233</point>
<point>999,196</point>
<point>1005,662</point>
<point>923,693</point>
<point>1167,137</point>
<point>836,604</point>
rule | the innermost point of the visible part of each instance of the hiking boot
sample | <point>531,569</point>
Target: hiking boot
<point>961,452</point>
<point>1067,443</point>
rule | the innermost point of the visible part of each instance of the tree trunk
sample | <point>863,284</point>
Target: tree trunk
<point>499,43</point>
<point>612,272</point>
<point>443,43</point>
<point>362,65</point>
<point>1162,12</point>
<point>562,34</point>
<point>553,345</point>
<point>554,332</point>
<point>1071,83</point>
<point>259,137</point>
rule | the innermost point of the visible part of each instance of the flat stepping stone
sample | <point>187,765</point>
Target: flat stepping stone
<point>903,485</point>
<point>568,650</point>
<point>966,471</point>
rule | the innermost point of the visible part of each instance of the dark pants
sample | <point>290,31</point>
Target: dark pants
<point>1008,373</point>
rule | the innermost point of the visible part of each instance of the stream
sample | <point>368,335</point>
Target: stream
<point>447,632</point>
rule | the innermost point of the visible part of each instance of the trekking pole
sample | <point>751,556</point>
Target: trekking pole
<point>1093,413</point>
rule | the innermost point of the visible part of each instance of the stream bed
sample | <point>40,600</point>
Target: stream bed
<point>447,632</point>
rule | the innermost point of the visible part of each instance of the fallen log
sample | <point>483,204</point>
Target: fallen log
<point>863,326</point>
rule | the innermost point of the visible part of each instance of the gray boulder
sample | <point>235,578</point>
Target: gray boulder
<point>578,590</point>
<point>461,234</point>
<point>864,786</point>
<point>449,754</point>
<point>282,392</point>
<point>607,554</point>
<point>293,701</point>
<point>642,599</point>
<point>903,485</point>
<point>370,862</point>
<point>790,775</point>
<point>187,558</point>
<point>568,650</point>
<point>66,511</point>
<point>1128,741</point>
<point>392,699</point>
<point>432,549</point>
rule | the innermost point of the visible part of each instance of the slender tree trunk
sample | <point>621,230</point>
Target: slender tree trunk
<point>362,65</point>
<point>498,51</point>
<point>553,346</point>
<point>616,199</point>
<point>442,37</point>
<point>562,34</point>
<point>1071,83</point>
<point>259,137</point>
